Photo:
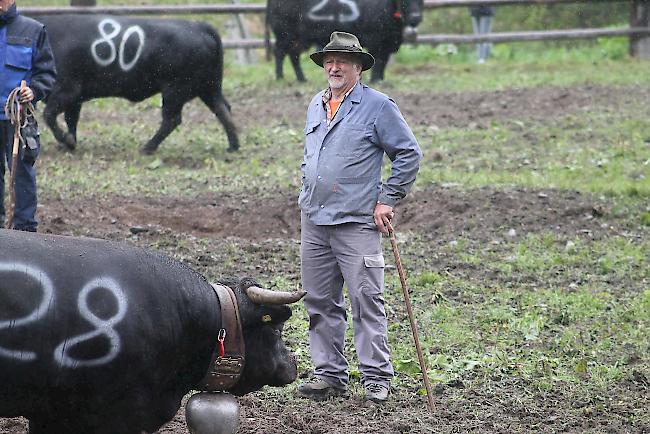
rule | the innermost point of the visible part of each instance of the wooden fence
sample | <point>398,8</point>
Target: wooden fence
<point>638,31</point>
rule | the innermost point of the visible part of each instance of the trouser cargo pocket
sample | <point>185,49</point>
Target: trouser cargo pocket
<point>373,279</point>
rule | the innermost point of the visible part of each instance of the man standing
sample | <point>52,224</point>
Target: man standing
<point>482,25</point>
<point>25,54</point>
<point>344,209</point>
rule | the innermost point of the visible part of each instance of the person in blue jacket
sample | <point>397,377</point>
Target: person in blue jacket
<point>25,54</point>
<point>482,24</point>
<point>345,207</point>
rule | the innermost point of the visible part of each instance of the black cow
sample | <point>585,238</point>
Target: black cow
<point>134,58</point>
<point>105,338</point>
<point>380,26</point>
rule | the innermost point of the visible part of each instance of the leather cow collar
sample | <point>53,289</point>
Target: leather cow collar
<point>228,357</point>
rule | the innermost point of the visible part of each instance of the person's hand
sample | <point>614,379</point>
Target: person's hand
<point>26,95</point>
<point>383,215</point>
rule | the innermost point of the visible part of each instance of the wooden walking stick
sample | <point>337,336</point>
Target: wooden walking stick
<point>414,327</point>
<point>14,161</point>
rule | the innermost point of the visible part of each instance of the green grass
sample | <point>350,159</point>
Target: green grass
<point>543,311</point>
<point>599,152</point>
<point>515,65</point>
<point>594,154</point>
<point>584,336</point>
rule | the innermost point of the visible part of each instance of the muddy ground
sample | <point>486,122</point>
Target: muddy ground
<point>437,214</point>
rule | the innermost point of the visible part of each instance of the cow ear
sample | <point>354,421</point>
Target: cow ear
<point>275,314</point>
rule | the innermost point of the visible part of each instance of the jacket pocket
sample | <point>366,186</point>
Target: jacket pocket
<point>351,138</point>
<point>310,128</point>
<point>311,142</point>
<point>356,196</point>
<point>19,57</point>
<point>353,179</point>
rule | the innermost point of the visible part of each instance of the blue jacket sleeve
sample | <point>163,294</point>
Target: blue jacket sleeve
<point>43,68</point>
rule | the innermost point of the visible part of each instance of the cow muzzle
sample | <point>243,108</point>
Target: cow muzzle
<point>410,34</point>
<point>414,19</point>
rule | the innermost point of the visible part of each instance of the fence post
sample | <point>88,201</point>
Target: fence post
<point>83,2</point>
<point>640,17</point>
<point>244,56</point>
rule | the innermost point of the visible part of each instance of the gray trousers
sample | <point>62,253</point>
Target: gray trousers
<point>482,25</point>
<point>330,255</point>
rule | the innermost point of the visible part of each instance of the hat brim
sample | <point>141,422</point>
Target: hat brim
<point>367,61</point>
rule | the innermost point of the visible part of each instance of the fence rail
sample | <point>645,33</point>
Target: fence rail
<point>146,10</point>
<point>638,32</point>
<point>431,4</point>
<point>546,35</point>
<point>258,7</point>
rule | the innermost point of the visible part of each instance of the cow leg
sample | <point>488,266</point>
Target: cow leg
<point>293,51</point>
<point>61,100</point>
<point>294,56</point>
<point>172,108</point>
<point>220,107</point>
<point>377,72</point>
<point>280,51</point>
<point>72,120</point>
<point>279,58</point>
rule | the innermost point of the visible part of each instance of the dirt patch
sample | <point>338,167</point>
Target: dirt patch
<point>267,229</point>
<point>450,109</point>
<point>438,214</point>
<point>459,407</point>
<point>423,108</point>
<point>443,213</point>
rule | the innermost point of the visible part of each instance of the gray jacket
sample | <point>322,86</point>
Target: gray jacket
<point>341,168</point>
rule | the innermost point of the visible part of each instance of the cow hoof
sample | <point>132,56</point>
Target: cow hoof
<point>147,150</point>
<point>232,149</point>
<point>64,147</point>
<point>69,141</point>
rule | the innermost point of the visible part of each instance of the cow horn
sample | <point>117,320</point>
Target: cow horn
<point>266,296</point>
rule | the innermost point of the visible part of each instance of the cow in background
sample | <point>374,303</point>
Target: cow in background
<point>105,338</point>
<point>134,58</point>
<point>380,26</point>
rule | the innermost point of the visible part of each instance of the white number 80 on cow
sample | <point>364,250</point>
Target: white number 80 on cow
<point>107,38</point>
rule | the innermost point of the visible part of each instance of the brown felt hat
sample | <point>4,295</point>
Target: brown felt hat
<point>341,42</point>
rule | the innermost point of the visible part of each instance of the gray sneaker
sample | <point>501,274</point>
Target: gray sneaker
<point>319,390</point>
<point>376,392</point>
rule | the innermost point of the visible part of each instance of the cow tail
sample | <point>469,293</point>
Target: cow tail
<point>267,34</point>
<point>220,52</point>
